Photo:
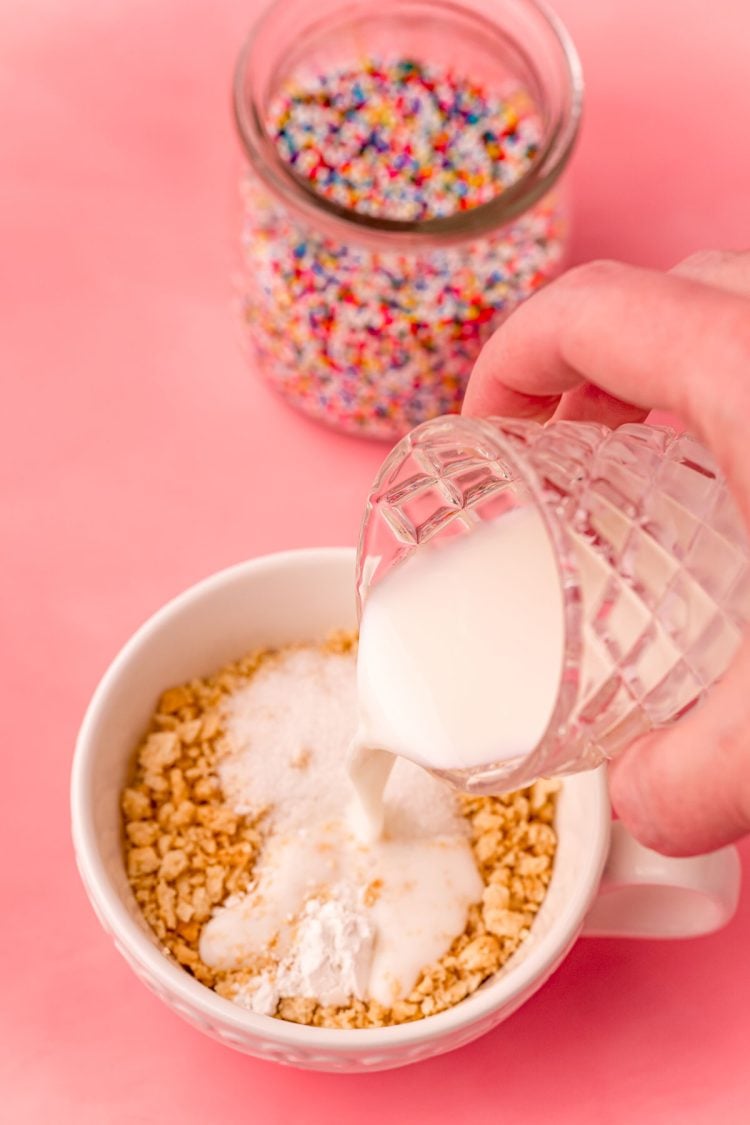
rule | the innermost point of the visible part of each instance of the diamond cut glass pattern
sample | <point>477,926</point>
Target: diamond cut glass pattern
<point>652,556</point>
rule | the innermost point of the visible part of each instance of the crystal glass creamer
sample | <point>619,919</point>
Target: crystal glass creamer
<point>651,553</point>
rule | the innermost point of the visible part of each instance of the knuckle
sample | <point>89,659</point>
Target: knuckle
<point>724,268</point>
<point>599,271</point>
<point>703,259</point>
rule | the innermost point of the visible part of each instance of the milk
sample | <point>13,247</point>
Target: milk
<point>461,650</point>
<point>425,886</point>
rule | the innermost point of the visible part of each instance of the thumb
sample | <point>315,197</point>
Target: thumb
<point>686,789</point>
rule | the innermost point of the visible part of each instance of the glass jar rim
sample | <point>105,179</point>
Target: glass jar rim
<point>541,174</point>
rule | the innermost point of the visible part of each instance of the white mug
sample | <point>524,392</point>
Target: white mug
<point>603,881</point>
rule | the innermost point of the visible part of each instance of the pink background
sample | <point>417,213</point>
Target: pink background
<point>139,454</point>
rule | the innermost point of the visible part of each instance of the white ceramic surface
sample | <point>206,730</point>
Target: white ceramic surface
<point>301,595</point>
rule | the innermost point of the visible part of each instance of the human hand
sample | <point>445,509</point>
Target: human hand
<point>609,342</point>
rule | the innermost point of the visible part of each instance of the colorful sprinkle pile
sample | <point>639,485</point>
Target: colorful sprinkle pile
<point>375,341</point>
<point>403,141</point>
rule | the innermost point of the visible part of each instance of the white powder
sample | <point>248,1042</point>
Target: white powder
<point>259,995</point>
<point>288,732</point>
<point>332,952</point>
<point>329,959</point>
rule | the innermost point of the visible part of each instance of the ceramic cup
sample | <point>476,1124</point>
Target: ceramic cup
<point>603,881</point>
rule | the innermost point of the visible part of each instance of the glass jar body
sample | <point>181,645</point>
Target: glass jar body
<point>368,323</point>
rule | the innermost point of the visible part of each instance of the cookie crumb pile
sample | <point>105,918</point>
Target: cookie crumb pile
<point>185,848</point>
<point>187,851</point>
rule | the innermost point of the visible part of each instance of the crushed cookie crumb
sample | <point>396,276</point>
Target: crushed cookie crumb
<point>186,851</point>
<point>175,820</point>
<point>372,892</point>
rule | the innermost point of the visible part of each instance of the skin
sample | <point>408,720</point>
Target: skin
<point>610,342</point>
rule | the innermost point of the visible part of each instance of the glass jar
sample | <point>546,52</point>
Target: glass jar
<point>363,318</point>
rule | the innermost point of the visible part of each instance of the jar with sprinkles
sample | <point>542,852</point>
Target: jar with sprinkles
<point>401,194</point>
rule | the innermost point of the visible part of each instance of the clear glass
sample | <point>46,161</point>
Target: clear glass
<point>349,315</point>
<point>652,558</point>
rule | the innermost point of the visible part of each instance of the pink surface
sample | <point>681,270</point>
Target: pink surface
<point>138,454</point>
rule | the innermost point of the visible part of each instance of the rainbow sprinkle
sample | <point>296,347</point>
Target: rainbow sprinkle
<point>376,341</point>
<point>403,141</point>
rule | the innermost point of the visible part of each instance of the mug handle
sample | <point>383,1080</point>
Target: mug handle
<point>644,894</point>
